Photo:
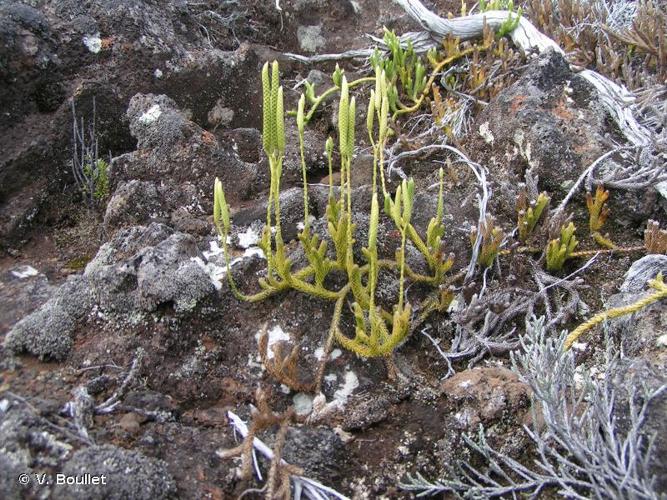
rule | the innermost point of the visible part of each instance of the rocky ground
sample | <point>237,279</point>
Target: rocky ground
<point>123,347</point>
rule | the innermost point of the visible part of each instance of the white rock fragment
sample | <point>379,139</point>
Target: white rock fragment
<point>151,115</point>
<point>158,73</point>
<point>23,272</point>
<point>662,340</point>
<point>93,43</point>
<point>215,250</point>
<point>319,354</point>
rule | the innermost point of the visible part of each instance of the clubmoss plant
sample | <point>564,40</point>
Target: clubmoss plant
<point>660,293</point>
<point>378,331</point>
<point>529,213</point>
<point>492,238</point>
<point>512,20</point>
<point>561,249</point>
<point>598,213</point>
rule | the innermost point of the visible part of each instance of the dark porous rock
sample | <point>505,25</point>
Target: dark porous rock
<point>139,270</point>
<point>142,202</point>
<point>144,267</point>
<point>184,221</point>
<point>29,61</point>
<point>129,474</point>
<point>133,202</point>
<point>291,213</point>
<point>485,395</point>
<point>47,332</point>
<point>549,121</point>
<point>27,445</point>
<point>22,290</point>
<point>640,332</point>
<point>9,473</point>
<point>172,149</point>
<point>315,449</point>
<point>247,142</point>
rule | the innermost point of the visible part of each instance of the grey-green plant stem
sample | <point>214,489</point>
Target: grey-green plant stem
<point>333,90</point>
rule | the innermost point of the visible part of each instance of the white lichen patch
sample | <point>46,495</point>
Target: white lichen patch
<point>151,115</point>
<point>319,354</point>
<point>216,273</point>
<point>486,134</point>
<point>301,226</point>
<point>23,272</point>
<point>331,378</point>
<point>276,334</point>
<point>249,238</point>
<point>303,403</point>
<point>252,251</point>
<point>348,386</point>
<point>662,340</point>
<point>93,43</point>
<point>310,38</point>
<point>215,250</point>
<point>579,346</point>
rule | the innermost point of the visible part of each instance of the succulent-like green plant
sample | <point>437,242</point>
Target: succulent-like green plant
<point>598,212</point>
<point>511,22</point>
<point>560,249</point>
<point>402,65</point>
<point>529,213</point>
<point>492,238</point>
<point>378,331</point>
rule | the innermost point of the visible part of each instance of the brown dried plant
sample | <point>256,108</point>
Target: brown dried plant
<point>655,239</point>
<point>278,483</point>
<point>284,368</point>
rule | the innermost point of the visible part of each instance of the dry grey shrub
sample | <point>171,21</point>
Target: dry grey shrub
<point>591,443</point>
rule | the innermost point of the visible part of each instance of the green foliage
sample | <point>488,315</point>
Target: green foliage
<point>529,213</point>
<point>598,213</point>
<point>401,65</point>
<point>511,22</point>
<point>597,209</point>
<point>377,331</point>
<point>560,249</point>
<point>492,238</point>
<point>98,173</point>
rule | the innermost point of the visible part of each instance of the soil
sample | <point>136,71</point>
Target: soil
<point>199,344</point>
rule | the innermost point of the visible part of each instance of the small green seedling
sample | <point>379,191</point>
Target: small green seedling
<point>492,238</point>
<point>598,212</point>
<point>529,213</point>
<point>560,249</point>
